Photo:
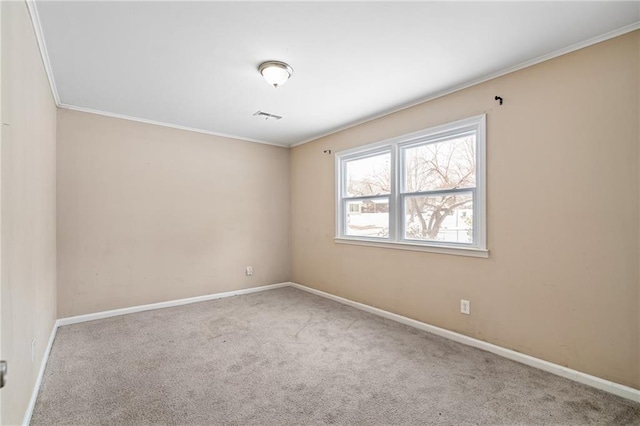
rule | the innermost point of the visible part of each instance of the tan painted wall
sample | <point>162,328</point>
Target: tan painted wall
<point>149,214</point>
<point>561,282</point>
<point>28,209</point>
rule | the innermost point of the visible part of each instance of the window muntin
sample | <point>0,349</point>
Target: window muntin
<point>422,189</point>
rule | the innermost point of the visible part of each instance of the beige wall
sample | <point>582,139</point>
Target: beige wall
<point>561,282</point>
<point>149,214</point>
<point>28,209</point>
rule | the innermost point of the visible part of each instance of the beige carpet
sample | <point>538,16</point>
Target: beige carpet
<point>286,357</point>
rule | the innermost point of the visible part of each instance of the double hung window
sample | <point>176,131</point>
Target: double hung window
<point>422,191</point>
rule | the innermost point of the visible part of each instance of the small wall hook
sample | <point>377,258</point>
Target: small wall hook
<point>498,98</point>
<point>327,151</point>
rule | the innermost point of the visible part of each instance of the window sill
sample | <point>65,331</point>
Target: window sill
<point>453,250</point>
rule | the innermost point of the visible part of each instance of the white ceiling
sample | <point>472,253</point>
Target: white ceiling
<point>194,64</point>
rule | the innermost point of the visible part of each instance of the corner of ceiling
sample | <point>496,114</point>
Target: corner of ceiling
<point>42,46</point>
<point>577,46</point>
<point>37,27</point>
<point>169,125</point>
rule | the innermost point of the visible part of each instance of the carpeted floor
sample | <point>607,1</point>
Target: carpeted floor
<point>286,357</point>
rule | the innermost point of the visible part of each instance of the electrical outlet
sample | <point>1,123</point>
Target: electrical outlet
<point>33,350</point>
<point>465,307</point>
<point>249,271</point>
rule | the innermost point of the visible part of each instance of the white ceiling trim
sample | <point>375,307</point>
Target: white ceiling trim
<point>35,20</point>
<point>173,126</point>
<point>37,29</point>
<point>526,64</point>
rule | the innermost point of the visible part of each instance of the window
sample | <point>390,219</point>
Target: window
<point>422,191</point>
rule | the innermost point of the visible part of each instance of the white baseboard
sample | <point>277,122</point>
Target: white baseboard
<point>577,376</point>
<point>34,395</point>
<point>168,304</point>
<point>106,314</point>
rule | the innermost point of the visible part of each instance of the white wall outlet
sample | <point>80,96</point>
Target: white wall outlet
<point>33,350</point>
<point>249,271</point>
<point>465,307</point>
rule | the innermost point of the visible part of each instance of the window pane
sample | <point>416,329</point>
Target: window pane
<point>439,218</point>
<point>368,218</point>
<point>369,176</point>
<point>442,165</point>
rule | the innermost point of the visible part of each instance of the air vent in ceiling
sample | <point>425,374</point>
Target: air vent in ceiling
<point>267,116</point>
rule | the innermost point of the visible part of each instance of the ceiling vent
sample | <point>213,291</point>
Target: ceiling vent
<point>266,115</point>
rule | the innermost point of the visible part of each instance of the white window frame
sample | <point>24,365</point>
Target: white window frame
<point>395,147</point>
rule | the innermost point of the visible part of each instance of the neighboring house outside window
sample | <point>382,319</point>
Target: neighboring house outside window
<point>421,191</point>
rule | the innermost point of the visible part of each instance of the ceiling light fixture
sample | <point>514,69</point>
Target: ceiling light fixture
<point>275,73</point>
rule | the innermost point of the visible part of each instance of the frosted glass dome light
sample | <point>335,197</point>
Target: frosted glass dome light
<point>275,73</point>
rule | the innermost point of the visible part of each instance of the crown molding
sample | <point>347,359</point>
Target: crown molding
<point>572,48</point>
<point>37,29</point>
<point>170,125</point>
<point>42,46</point>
